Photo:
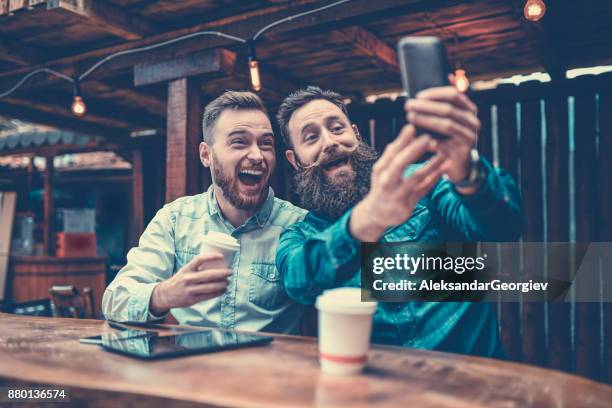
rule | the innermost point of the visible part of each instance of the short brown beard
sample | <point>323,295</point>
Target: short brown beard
<point>227,183</point>
<point>332,198</point>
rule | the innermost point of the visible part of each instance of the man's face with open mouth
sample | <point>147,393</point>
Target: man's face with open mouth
<point>323,137</point>
<point>243,157</point>
<point>332,166</point>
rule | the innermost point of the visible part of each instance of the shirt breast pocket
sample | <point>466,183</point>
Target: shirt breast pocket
<point>265,287</point>
<point>182,257</point>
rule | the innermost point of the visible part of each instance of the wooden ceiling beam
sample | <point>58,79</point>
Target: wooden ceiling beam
<point>63,111</point>
<point>107,16</point>
<point>20,53</point>
<point>369,45</point>
<point>333,18</point>
<point>215,61</point>
<point>29,112</point>
<point>26,54</point>
<point>100,111</point>
<point>139,99</point>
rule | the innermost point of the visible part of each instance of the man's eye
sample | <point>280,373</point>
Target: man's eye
<point>237,142</point>
<point>310,138</point>
<point>267,144</point>
<point>337,129</point>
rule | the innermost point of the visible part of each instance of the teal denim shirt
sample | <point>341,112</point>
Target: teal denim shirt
<point>255,299</point>
<point>318,254</point>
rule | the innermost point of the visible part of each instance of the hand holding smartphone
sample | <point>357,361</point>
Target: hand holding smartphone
<point>423,65</point>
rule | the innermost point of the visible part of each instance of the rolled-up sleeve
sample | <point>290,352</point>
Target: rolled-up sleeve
<point>152,261</point>
<point>493,213</point>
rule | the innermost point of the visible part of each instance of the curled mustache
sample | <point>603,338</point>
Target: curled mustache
<point>329,155</point>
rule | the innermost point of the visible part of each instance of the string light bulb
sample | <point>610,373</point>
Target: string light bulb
<point>534,10</point>
<point>462,83</point>
<point>254,68</point>
<point>78,104</point>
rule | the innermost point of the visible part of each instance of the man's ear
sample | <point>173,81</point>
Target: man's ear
<point>290,155</point>
<point>356,130</point>
<point>205,154</point>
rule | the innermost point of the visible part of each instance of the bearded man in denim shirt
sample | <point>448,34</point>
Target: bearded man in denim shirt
<point>354,197</point>
<point>167,272</point>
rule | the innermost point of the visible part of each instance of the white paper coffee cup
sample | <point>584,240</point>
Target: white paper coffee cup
<point>345,325</point>
<point>227,245</point>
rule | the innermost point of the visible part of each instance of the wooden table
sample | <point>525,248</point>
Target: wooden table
<point>283,374</point>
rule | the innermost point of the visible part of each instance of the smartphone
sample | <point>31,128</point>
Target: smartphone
<point>423,64</point>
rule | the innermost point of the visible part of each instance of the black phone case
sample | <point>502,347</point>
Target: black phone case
<point>423,64</point>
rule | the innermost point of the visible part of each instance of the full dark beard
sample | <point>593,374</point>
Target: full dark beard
<point>229,186</point>
<point>332,198</point>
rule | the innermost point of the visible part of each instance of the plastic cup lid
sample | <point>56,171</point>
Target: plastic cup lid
<point>222,240</point>
<point>344,300</point>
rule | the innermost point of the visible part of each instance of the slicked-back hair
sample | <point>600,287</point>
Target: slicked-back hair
<point>300,98</point>
<point>233,100</point>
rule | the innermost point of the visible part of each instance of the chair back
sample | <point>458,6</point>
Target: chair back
<point>70,302</point>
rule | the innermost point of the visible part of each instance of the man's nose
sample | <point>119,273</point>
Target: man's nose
<point>329,139</point>
<point>255,154</point>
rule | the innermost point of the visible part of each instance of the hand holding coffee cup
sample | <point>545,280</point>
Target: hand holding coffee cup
<point>224,244</point>
<point>204,277</point>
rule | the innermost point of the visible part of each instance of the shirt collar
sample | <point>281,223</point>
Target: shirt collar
<point>261,217</point>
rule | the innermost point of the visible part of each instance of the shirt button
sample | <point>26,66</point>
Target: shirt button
<point>271,276</point>
<point>228,300</point>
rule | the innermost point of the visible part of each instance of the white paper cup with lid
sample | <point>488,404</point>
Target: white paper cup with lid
<point>227,245</point>
<point>345,325</point>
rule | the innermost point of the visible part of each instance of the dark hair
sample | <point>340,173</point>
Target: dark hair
<point>300,98</point>
<point>228,100</point>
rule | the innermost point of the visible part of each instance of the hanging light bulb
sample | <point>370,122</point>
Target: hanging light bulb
<point>78,104</point>
<point>462,83</point>
<point>534,9</point>
<point>254,68</point>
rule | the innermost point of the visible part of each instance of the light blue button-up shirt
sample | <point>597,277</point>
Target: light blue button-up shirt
<point>255,299</point>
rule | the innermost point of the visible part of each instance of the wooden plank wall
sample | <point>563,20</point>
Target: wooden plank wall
<point>530,132</point>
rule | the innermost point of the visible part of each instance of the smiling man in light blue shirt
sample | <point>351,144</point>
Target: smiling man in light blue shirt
<point>167,272</point>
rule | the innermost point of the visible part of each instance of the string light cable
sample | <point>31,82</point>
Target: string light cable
<point>296,16</point>
<point>155,46</point>
<point>108,58</point>
<point>33,73</point>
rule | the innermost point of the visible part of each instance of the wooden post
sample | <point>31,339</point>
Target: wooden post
<point>508,159</point>
<point>49,221</point>
<point>585,174</point>
<point>605,203</point>
<point>557,173</point>
<point>534,344</point>
<point>183,138</point>
<point>137,218</point>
